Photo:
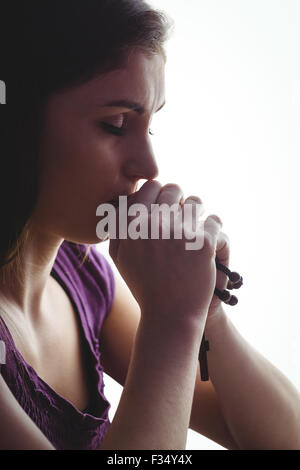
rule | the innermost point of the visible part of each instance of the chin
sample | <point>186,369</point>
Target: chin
<point>83,236</point>
<point>86,240</point>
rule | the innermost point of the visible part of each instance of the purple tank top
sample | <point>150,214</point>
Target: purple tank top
<point>90,287</point>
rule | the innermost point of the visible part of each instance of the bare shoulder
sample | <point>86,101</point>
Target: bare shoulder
<point>118,332</point>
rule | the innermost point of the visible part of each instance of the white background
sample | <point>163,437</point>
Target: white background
<point>230,133</point>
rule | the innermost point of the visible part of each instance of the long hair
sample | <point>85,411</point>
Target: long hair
<point>46,47</point>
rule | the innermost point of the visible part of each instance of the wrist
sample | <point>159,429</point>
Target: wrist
<point>173,322</point>
<point>216,321</point>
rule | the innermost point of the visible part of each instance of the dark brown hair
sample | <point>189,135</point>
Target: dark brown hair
<point>50,46</point>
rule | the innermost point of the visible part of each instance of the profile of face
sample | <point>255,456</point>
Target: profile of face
<point>96,145</point>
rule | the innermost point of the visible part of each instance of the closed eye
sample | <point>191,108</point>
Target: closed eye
<point>118,131</point>
<point>117,125</point>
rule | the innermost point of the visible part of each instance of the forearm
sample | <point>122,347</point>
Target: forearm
<point>260,405</point>
<point>155,406</point>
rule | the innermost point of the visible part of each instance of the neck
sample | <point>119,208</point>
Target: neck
<point>25,282</point>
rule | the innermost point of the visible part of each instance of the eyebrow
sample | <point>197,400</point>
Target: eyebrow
<point>138,108</point>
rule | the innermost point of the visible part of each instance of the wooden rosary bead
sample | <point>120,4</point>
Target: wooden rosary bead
<point>234,277</point>
<point>233,300</point>
<point>223,294</point>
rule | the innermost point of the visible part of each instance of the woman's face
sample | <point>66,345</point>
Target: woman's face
<point>95,147</point>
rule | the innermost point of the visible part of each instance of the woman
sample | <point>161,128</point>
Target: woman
<point>84,79</point>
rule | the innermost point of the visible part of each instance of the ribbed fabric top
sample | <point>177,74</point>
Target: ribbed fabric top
<point>90,287</point>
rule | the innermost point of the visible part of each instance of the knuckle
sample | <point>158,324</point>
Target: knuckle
<point>194,198</point>
<point>150,185</point>
<point>172,187</point>
<point>155,183</point>
<point>217,219</point>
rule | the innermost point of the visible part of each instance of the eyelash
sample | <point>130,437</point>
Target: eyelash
<point>117,131</point>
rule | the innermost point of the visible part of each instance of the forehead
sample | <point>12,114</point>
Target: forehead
<point>142,79</point>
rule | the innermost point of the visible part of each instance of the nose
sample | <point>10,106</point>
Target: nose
<point>140,162</point>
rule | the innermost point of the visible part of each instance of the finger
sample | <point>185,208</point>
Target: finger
<point>192,210</point>
<point>223,246</point>
<point>167,209</point>
<point>196,199</point>
<point>146,195</point>
<point>170,194</point>
<point>212,227</point>
<point>222,255</point>
<point>191,199</point>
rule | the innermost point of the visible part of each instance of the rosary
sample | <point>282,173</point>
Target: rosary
<point>235,282</point>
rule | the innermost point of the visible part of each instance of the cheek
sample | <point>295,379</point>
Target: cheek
<point>79,171</point>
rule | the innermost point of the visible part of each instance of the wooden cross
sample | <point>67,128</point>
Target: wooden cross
<point>203,359</point>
